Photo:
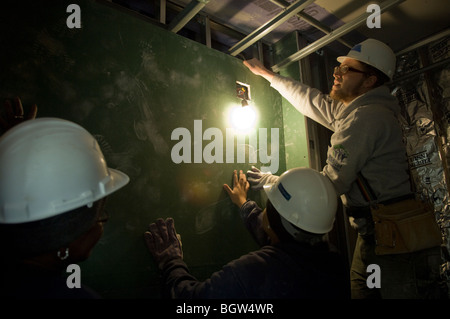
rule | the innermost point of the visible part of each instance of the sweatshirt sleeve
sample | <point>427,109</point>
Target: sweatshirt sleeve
<point>308,101</point>
<point>180,284</point>
<point>252,217</point>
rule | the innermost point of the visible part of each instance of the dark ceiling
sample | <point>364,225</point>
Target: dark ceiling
<point>227,22</point>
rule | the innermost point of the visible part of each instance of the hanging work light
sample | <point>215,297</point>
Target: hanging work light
<point>243,117</point>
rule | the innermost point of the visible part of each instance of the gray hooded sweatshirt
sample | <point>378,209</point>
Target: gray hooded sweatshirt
<point>367,138</point>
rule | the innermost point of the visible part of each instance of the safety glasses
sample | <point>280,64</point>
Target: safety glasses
<point>343,69</point>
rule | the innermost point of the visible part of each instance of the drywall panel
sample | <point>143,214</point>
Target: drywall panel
<point>150,97</point>
<point>294,125</point>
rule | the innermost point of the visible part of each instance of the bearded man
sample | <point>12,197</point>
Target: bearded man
<point>366,145</point>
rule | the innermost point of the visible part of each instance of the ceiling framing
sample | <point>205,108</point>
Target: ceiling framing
<point>240,25</point>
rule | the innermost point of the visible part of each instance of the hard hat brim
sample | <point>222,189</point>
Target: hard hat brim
<point>120,179</point>
<point>51,166</point>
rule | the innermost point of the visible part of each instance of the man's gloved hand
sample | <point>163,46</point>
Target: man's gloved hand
<point>163,242</point>
<point>258,179</point>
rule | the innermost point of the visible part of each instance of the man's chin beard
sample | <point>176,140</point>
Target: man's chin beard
<point>336,96</point>
<point>343,97</point>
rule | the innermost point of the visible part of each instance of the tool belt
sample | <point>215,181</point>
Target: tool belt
<point>403,225</point>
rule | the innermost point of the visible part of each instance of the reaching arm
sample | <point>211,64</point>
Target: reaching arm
<point>258,68</point>
<point>308,101</point>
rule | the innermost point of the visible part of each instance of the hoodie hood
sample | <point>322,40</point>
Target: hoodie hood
<point>378,96</point>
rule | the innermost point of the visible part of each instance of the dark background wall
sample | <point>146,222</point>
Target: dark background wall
<point>131,84</point>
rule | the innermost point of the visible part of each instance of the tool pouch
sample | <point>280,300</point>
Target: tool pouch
<point>405,227</point>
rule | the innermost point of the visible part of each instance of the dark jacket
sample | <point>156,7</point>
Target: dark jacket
<point>284,270</point>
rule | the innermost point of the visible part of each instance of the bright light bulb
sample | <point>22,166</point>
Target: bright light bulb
<point>243,118</point>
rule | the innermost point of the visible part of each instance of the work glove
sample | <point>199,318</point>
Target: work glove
<point>258,179</point>
<point>163,242</point>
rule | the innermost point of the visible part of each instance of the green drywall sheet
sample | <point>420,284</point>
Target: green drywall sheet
<point>131,84</point>
<point>294,126</point>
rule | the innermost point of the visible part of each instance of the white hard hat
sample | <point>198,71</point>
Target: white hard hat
<point>305,198</point>
<point>374,53</point>
<point>49,166</point>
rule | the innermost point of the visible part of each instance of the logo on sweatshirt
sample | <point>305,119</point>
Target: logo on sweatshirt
<point>340,153</point>
<point>336,156</point>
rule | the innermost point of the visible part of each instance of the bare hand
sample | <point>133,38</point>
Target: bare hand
<point>258,68</point>
<point>238,194</point>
